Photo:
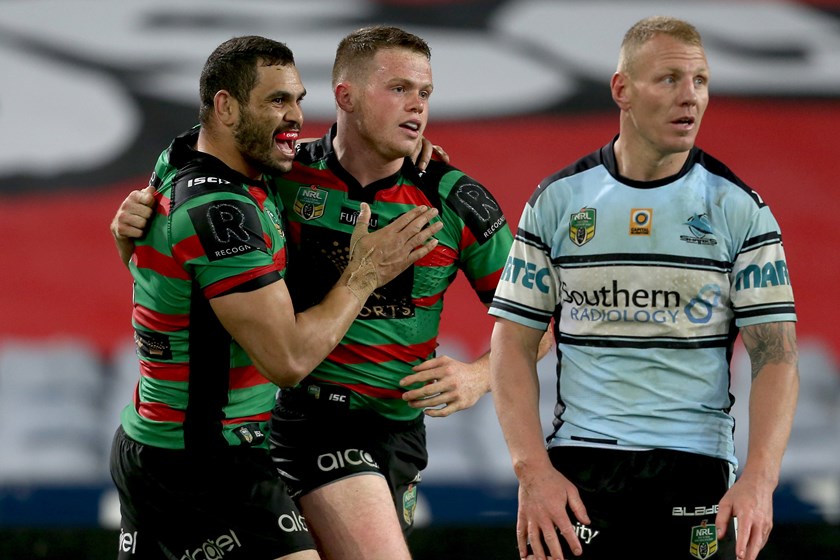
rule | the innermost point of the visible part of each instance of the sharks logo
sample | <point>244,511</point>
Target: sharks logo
<point>701,230</point>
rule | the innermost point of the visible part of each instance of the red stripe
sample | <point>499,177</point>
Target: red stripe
<point>359,353</point>
<point>403,194</point>
<point>146,256</point>
<point>165,372</point>
<point>487,283</point>
<point>428,301</point>
<point>159,412</point>
<point>223,286</point>
<point>163,204</point>
<point>309,176</point>
<point>187,250</point>
<point>440,256</point>
<point>467,238</point>
<point>161,322</point>
<point>246,376</point>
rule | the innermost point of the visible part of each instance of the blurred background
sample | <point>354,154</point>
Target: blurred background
<point>94,90</point>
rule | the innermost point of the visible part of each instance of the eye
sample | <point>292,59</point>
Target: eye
<point>425,94</point>
<point>399,89</point>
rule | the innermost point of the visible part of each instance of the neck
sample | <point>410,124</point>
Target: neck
<point>361,157</point>
<point>640,162</point>
<point>223,148</point>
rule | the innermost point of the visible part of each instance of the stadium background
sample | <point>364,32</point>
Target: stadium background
<point>93,90</point>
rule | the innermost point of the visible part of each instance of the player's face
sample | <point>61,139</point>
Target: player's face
<point>393,103</point>
<point>668,94</point>
<point>269,125</point>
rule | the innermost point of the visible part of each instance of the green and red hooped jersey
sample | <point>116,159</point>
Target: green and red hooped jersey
<point>214,232</point>
<point>398,326</point>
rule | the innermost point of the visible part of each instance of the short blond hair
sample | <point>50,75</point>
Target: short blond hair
<point>648,28</point>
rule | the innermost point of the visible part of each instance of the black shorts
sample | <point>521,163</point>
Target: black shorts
<point>315,440</point>
<point>181,506</point>
<point>647,504</point>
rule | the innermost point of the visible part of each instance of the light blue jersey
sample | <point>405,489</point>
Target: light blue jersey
<point>648,283</point>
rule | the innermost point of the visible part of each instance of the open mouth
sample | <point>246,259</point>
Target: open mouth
<point>285,141</point>
<point>412,126</point>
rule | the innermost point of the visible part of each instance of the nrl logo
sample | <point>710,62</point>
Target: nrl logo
<point>310,202</point>
<point>582,226</point>
<point>704,541</point>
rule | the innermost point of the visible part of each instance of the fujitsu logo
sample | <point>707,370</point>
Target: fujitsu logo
<point>214,549</point>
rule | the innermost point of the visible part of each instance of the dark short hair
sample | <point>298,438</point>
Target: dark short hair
<point>360,46</point>
<point>233,67</point>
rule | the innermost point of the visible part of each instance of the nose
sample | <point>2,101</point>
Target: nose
<point>294,115</point>
<point>688,92</point>
<point>417,103</point>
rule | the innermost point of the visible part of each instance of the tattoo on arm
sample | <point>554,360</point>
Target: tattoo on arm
<point>770,343</point>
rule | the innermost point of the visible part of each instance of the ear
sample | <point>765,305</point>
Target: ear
<point>344,96</point>
<point>226,107</point>
<point>618,87</point>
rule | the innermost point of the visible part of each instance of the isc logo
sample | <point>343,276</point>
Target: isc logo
<point>337,398</point>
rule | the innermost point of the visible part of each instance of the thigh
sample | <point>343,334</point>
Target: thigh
<point>354,518</point>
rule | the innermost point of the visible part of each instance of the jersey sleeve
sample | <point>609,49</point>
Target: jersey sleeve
<point>220,240</point>
<point>485,237</point>
<point>528,289</point>
<point>761,290</point>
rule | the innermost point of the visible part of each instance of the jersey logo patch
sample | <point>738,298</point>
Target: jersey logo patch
<point>641,221</point>
<point>582,226</point>
<point>348,216</point>
<point>310,202</point>
<point>409,503</point>
<point>701,230</point>
<point>152,345</point>
<point>704,541</point>
<point>479,210</point>
<point>227,228</point>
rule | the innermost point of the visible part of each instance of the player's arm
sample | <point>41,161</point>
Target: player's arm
<point>285,346</point>
<point>130,221</point>
<point>773,355</point>
<point>543,492</point>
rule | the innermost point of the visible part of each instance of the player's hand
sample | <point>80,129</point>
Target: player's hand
<point>752,503</point>
<point>448,385</point>
<point>542,517</point>
<point>378,257</point>
<point>133,214</point>
<point>425,152</point>
<point>131,219</point>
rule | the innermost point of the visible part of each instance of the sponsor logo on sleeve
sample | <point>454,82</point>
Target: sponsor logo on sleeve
<point>227,228</point>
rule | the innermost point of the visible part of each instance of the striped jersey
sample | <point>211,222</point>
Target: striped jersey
<point>648,283</point>
<point>214,232</point>
<point>398,325</point>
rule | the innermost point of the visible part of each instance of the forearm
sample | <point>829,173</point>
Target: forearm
<point>515,388</point>
<point>771,409</point>
<point>775,387</point>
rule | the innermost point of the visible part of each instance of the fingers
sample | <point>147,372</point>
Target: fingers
<point>722,518</point>
<point>425,155</point>
<point>440,154</point>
